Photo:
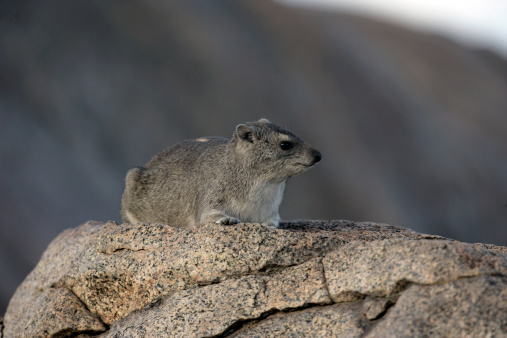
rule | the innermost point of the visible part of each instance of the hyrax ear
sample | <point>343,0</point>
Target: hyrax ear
<point>246,133</point>
<point>264,121</point>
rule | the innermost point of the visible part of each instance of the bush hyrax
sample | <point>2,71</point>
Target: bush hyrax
<point>213,179</point>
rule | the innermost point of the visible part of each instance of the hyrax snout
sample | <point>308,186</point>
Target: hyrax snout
<point>214,179</point>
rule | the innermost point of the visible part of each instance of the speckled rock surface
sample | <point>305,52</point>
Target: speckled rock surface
<point>382,268</point>
<point>59,312</point>
<point>339,320</point>
<point>467,307</point>
<point>214,309</point>
<point>308,278</point>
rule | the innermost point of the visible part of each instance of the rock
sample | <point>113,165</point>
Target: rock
<point>309,278</point>
<point>214,309</point>
<point>146,262</point>
<point>373,308</point>
<point>466,307</point>
<point>342,320</point>
<point>383,268</point>
<point>58,312</point>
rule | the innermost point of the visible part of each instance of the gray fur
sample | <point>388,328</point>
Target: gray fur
<point>214,179</point>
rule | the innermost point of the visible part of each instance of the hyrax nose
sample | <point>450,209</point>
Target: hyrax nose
<point>317,156</point>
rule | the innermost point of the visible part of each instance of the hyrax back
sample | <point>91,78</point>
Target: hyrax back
<point>214,179</point>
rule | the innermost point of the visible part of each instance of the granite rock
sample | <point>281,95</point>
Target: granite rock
<point>308,278</point>
<point>467,307</point>
<point>339,320</point>
<point>383,268</point>
<point>214,309</point>
<point>59,312</point>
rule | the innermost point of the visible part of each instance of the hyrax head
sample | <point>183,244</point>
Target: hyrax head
<point>273,152</point>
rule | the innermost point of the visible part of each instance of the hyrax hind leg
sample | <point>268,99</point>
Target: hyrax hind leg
<point>128,209</point>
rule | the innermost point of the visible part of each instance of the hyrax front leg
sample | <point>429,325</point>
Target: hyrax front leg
<point>219,217</point>
<point>227,220</point>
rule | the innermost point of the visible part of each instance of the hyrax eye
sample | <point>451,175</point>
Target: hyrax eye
<point>286,145</point>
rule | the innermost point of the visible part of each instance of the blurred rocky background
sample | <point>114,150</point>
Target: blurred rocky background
<point>412,126</point>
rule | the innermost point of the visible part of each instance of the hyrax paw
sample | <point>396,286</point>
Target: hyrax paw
<point>228,221</point>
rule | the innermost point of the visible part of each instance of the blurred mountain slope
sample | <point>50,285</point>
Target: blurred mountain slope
<point>412,127</point>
